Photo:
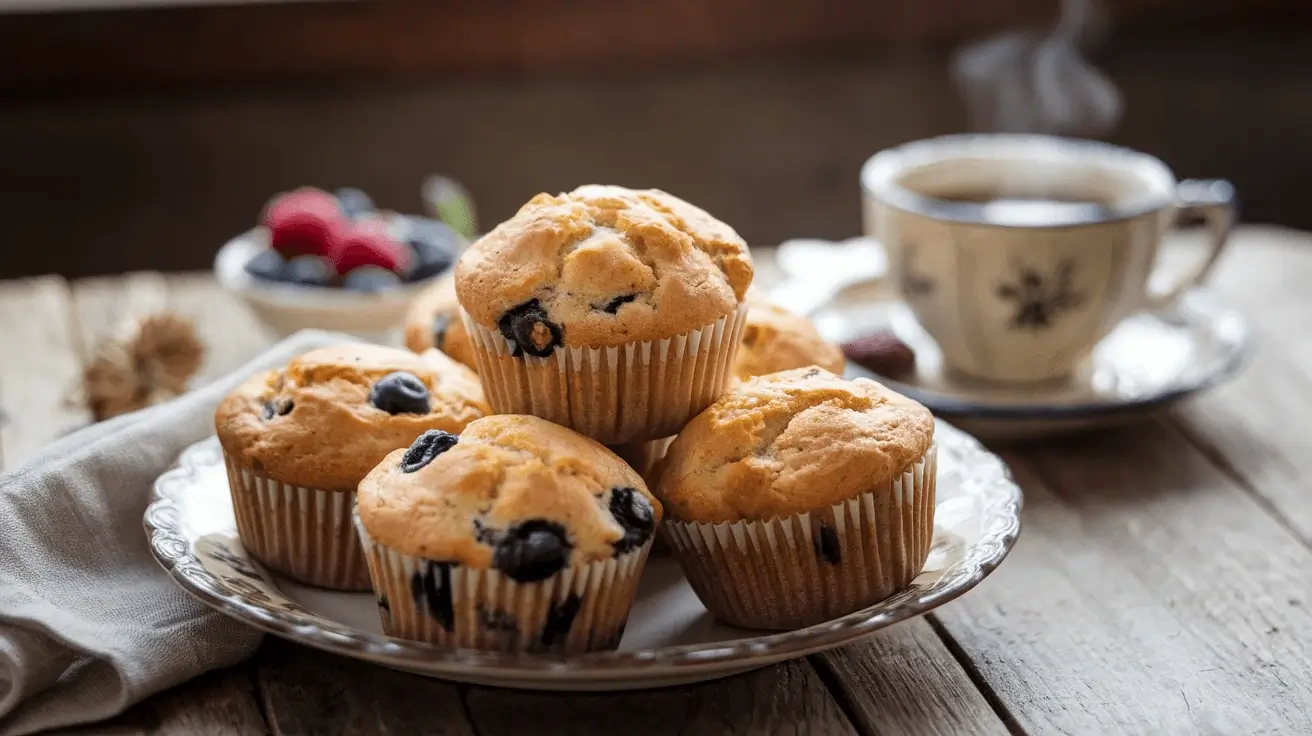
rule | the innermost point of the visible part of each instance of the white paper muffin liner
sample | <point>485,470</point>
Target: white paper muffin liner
<point>303,533</point>
<point>643,455</point>
<point>637,391</point>
<point>795,571</point>
<point>579,609</point>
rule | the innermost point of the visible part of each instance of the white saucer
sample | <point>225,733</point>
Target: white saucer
<point>1150,361</point>
<point>670,638</point>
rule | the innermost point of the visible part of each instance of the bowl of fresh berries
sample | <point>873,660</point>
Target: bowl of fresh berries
<point>333,261</point>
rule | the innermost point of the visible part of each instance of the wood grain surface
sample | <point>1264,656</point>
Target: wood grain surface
<point>905,681</point>
<point>1160,586</point>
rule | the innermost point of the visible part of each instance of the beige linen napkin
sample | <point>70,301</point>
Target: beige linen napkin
<point>89,622</point>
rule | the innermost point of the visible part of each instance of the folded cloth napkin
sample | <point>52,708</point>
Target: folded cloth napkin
<point>89,622</point>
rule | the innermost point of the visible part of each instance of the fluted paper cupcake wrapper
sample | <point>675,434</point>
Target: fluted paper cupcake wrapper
<point>643,455</point>
<point>615,395</point>
<point>579,609</point>
<point>795,571</point>
<point>303,533</point>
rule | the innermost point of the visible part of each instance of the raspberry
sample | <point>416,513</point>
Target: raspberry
<point>301,222</point>
<point>367,243</point>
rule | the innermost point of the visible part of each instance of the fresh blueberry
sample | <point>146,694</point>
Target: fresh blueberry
<point>426,448</point>
<point>309,271</point>
<point>529,329</point>
<point>428,260</point>
<point>634,514</point>
<point>532,551</point>
<point>613,306</point>
<point>433,246</point>
<point>267,266</point>
<point>433,232</point>
<point>400,393</point>
<point>354,202</point>
<point>371,280</point>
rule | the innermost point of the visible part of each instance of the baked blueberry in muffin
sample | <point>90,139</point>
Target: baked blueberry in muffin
<point>528,330</point>
<point>484,539</point>
<point>298,440</point>
<point>611,311</point>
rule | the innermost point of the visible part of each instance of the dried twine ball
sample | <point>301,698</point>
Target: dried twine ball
<point>151,361</point>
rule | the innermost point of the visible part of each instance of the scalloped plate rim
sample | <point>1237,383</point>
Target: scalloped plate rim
<point>639,669</point>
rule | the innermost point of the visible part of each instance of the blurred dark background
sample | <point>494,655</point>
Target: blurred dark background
<point>144,138</point>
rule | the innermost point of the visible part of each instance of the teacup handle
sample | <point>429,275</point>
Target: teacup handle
<point>1213,201</point>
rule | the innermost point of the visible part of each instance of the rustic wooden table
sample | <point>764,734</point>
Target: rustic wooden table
<point>1162,583</point>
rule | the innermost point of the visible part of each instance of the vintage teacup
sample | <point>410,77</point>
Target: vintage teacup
<point>1019,253</point>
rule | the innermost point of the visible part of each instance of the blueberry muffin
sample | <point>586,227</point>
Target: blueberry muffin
<point>434,322</point>
<point>799,496</point>
<point>775,339</point>
<point>515,535</point>
<point>611,311</point>
<point>297,441</point>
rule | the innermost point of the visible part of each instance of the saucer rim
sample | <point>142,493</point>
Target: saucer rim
<point>963,409</point>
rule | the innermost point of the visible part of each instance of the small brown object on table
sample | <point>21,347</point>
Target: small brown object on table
<point>883,353</point>
<point>1160,584</point>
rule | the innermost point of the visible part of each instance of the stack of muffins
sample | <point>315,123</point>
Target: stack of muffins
<point>597,370</point>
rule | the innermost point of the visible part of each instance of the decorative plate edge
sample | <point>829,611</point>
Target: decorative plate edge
<point>1000,527</point>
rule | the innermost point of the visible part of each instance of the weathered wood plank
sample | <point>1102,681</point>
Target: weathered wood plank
<point>217,703</point>
<point>103,305</point>
<point>788,698</point>
<point>231,332</point>
<point>1148,594</point>
<point>903,680</point>
<point>41,367</point>
<point>1256,426</point>
<point>220,703</point>
<point>306,691</point>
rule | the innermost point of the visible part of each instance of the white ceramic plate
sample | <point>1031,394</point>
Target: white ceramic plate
<point>670,638</point>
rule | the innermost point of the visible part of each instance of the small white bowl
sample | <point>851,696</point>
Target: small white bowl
<point>288,308</point>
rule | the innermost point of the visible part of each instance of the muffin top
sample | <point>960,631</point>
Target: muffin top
<point>790,442</point>
<point>514,493</point>
<point>602,265</point>
<point>775,339</point>
<point>332,414</point>
<point>434,322</point>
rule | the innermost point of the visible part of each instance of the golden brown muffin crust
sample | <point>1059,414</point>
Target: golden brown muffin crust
<point>330,435</point>
<point>434,322</point>
<point>609,265</point>
<point>504,470</point>
<point>790,442</point>
<point>775,339</point>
